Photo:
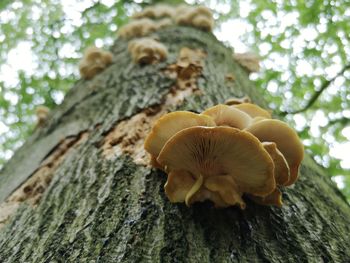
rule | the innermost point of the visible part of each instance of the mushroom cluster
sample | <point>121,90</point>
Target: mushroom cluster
<point>156,17</point>
<point>147,51</point>
<point>94,61</point>
<point>223,153</point>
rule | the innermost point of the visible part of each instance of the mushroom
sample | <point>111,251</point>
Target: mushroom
<point>138,28</point>
<point>94,61</point>
<point>200,17</point>
<point>250,61</point>
<point>179,183</point>
<point>286,139</point>
<point>41,113</point>
<point>147,51</point>
<point>223,160</point>
<point>224,115</point>
<point>235,101</point>
<point>252,110</point>
<point>281,172</point>
<point>156,11</point>
<point>171,123</point>
<point>275,198</point>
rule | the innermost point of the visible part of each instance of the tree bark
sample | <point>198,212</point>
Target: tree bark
<point>113,209</point>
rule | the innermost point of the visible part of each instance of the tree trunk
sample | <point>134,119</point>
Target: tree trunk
<point>101,203</point>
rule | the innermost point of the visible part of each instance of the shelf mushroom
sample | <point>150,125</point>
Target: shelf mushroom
<point>41,112</point>
<point>224,115</point>
<point>252,110</point>
<point>200,17</point>
<point>94,61</point>
<point>147,51</point>
<point>281,174</point>
<point>286,139</point>
<point>169,125</point>
<point>223,153</point>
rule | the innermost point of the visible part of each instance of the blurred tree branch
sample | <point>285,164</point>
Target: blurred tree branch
<point>318,93</point>
<point>343,121</point>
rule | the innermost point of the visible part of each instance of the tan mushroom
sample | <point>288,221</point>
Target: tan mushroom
<point>235,101</point>
<point>223,160</point>
<point>250,61</point>
<point>281,173</point>
<point>147,51</point>
<point>94,61</point>
<point>155,12</point>
<point>138,28</point>
<point>223,185</point>
<point>253,110</point>
<point>179,183</point>
<point>41,112</point>
<point>200,17</point>
<point>286,139</point>
<point>171,123</point>
<point>224,115</point>
<point>275,198</point>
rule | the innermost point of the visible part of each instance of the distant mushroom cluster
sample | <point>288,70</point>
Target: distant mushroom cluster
<point>146,50</point>
<point>155,17</point>
<point>224,153</point>
<point>143,49</point>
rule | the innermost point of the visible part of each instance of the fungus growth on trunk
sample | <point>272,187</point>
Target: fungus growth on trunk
<point>224,153</point>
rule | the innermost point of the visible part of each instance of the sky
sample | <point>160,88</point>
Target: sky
<point>229,32</point>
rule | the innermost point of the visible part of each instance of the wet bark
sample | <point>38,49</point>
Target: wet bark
<point>113,210</point>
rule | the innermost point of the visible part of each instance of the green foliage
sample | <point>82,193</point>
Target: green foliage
<point>304,45</point>
<point>313,39</point>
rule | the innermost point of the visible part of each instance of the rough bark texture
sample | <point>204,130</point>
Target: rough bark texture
<point>113,210</point>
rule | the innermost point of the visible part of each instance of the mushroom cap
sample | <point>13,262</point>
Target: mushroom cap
<point>235,101</point>
<point>171,123</point>
<point>94,61</point>
<point>203,22</point>
<point>287,140</point>
<point>275,198</point>
<point>282,171</point>
<point>179,183</point>
<point>226,187</point>
<point>221,190</point>
<point>250,61</point>
<point>224,115</point>
<point>42,110</point>
<point>205,194</point>
<point>252,110</point>
<point>92,52</point>
<point>202,10</point>
<point>214,151</point>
